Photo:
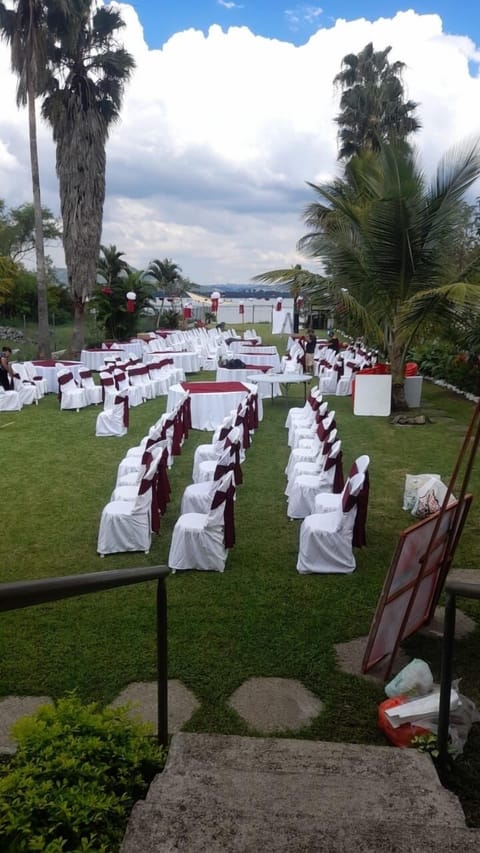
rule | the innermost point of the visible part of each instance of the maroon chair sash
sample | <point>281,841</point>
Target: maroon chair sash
<point>338,479</point>
<point>121,399</point>
<point>163,483</point>
<point>228,514</point>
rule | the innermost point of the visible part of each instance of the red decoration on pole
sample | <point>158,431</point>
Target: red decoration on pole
<point>214,297</point>
<point>187,312</point>
<point>131,298</point>
<point>278,306</point>
<point>241,309</point>
<point>107,291</point>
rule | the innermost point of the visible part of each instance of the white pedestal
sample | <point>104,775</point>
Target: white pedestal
<point>372,395</point>
<point>413,391</point>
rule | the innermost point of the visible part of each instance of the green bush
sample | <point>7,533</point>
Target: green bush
<point>76,774</point>
<point>443,361</point>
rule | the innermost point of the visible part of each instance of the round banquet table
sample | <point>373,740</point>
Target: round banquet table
<point>211,402</point>
<point>47,368</point>
<point>189,362</point>
<point>94,359</point>
<point>269,380</point>
<point>225,374</point>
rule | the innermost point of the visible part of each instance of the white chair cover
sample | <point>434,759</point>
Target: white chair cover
<point>304,411</point>
<point>113,421</point>
<point>310,453</point>
<point>93,392</point>
<point>201,540</point>
<point>9,401</point>
<point>133,392</point>
<point>40,381</point>
<point>304,488</point>
<point>71,396</point>
<point>329,503</point>
<point>26,391</point>
<point>326,539</point>
<point>127,525</point>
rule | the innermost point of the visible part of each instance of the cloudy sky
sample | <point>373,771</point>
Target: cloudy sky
<point>231,110</point>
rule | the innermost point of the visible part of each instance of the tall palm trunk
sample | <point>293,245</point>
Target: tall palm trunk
<point>82,193</point>
<point>43,347</point>
<point>397,366</point>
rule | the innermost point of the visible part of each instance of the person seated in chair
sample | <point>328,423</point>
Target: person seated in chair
<point>6,372</point>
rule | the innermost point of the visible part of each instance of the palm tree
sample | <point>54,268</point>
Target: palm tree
<point>110,265</point>
<point>383,236</point>
<point>84,96</point>
<point>25,28</point>
<point>167,273</point>
<point>298,281</point>
<point>372,105</point>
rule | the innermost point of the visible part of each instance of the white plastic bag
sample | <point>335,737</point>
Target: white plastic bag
<point>414,482</point>
<point>415,679</point>
<point>430,497</point>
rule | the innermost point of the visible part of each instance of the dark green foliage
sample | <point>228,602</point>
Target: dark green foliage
<point>168,319</point>
<point>110,302</point>
<point>75,776</point>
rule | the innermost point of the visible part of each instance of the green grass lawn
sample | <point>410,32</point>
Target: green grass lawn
<point>259,618</point>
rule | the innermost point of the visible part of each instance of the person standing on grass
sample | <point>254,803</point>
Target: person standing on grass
<point>310,347</point>
<point>6,372</point>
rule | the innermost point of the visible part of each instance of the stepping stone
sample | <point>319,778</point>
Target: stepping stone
<point>275,704</point>
<point>464,626</point>
<point>12,708</point>
<point>143,696</point>
<point>350,657</point>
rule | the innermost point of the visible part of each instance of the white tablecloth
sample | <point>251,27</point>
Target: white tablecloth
<point>94,359</point>
<point>241,375</point>
<point>49,372</point>
<point>236,346</point>
<point>209,409</point>
<point>189,362</point>
<point>250,356</point>
<point>268,380</point>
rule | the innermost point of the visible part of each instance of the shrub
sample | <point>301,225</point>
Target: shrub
<point>168,319</point>
<point>76,774</point>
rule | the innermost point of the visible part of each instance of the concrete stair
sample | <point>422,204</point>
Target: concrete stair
<point>228,794</point>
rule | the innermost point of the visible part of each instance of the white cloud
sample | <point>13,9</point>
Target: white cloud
<point>228,4</point>
<point>220,132</point>
<point>302,14</point>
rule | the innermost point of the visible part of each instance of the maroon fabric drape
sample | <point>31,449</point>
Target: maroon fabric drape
<point>121,399</point>
<point>177,433</point>
<point>360,527</point>
<point>235,452</point>
<point>63,380</point>
<point>163,483</point>
<point>242,422</point>
<point>228,514</point>
<point>338,479</point>
<point>106,383</point>
<point>187,416</point>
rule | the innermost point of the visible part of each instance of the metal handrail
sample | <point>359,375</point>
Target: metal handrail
<point>14,596</point>
<point>452,590</point>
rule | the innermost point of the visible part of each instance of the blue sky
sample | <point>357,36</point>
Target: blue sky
<point>291,21</point>
<point>230,113</point>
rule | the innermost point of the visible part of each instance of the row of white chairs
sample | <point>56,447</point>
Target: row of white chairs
<point>142,488</point>
<point>333,512</point>
<point>204,533</point>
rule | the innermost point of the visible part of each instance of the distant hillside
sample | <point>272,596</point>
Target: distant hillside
<point>238,291</point>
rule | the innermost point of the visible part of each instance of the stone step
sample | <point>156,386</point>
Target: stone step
<point>226,793</point>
